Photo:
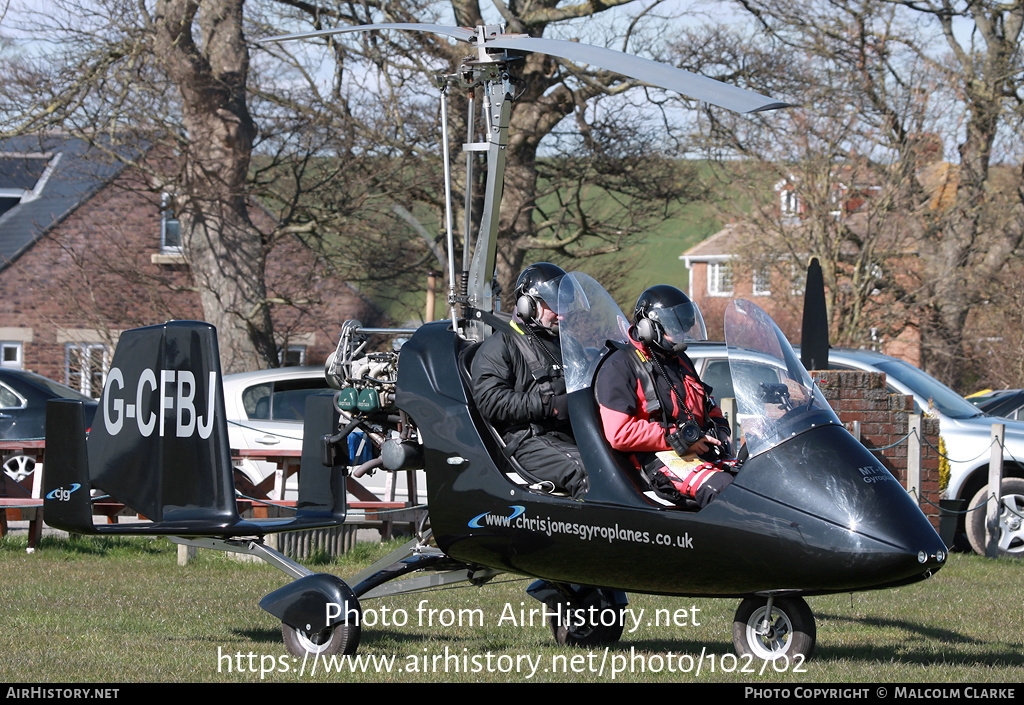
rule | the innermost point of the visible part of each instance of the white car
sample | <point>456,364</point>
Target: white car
<point>966,430</point>
<point>265,413</point>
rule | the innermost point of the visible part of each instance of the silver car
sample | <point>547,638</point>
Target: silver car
<point>265,414</point>
<point>966,430</point>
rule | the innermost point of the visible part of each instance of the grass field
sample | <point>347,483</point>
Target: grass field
<point>101,610</point>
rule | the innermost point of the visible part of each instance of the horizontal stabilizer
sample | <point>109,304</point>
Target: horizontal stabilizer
<point>159,445</point>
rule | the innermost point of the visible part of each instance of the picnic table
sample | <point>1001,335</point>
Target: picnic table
<point>22,501</point>
<point>385,511</point>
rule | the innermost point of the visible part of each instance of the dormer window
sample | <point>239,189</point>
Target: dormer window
<point>789,203</point>
<point>23,176</point>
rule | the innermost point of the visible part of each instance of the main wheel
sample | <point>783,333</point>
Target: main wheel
<point>1010,532</point>
<point>788,632</point>
<point>339,639</point>
<point>596,622</point>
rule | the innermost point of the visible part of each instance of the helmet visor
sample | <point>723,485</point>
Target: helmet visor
<point>681,324</point>
<point>546,292</point>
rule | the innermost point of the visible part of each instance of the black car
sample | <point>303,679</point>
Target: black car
<point>1007,403</point>
<point>23,397</point>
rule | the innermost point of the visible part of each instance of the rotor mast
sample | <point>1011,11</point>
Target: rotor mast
<point>489,72</point>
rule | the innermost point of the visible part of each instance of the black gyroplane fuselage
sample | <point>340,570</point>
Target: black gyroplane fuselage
<point>810,510</point>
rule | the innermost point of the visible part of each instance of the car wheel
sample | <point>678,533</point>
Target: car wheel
<point>788,633</point>
<point>19,467</point>
<point>1010,530</point>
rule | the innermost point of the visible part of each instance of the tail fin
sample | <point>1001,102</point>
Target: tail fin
<point>159,444</point>
<point>66,501</point>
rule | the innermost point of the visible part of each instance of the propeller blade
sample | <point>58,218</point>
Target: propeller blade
<point>814,344</point>
<point>655,73</point>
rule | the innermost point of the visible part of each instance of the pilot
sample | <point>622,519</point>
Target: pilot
<point>519,385</point>
<point>655,408</point>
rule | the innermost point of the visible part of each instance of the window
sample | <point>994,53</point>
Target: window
<point>798,280</point>
<point>789,202</point>
<point>292,355</point>
<point>11,354</point>
<point>10,399</point>
<point>762,285</point>
<point>85,367</point>
<point>170,228</point>
<point>283,400</point>
<point>719,279</point>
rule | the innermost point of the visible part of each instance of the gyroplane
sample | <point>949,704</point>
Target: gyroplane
<point>810,511</point>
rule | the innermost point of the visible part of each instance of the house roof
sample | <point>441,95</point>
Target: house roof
<point>721,245</point>
<point>44,178</point>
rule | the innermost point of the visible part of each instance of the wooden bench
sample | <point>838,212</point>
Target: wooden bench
<point>385,512</point>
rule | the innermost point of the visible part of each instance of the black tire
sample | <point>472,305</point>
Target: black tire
<point>1010,538</point>
<point>597,623</point>
<point>790,633</point>
<point>340,639</point>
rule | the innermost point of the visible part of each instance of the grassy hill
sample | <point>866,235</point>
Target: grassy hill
<point>648,258</point>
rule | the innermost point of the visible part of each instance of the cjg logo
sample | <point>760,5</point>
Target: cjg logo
<point>62,494</point>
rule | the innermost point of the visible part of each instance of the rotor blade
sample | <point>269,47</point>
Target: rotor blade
<point>460,33</point>
<point>689,84</point>
<point>655,73</point>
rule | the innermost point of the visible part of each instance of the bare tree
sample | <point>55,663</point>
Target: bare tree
<point>871,68</point>
<point>345,155</point>
<point>549,190</point>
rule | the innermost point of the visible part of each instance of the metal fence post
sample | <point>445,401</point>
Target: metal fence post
<point>995,489</point>
<point>915,429</point>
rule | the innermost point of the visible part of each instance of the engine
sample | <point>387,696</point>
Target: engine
<point>366,396</point>
<point>365,380</point>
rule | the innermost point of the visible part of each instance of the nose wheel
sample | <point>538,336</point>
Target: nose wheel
<point>771,628</point>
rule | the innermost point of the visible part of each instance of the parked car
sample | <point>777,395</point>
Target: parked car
<point>1005,403</point>
<point>965,428</point>
<point>265,412</point>
<point>23,397</point>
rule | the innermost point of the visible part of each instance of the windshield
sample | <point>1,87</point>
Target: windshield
<point>61,391</point>
<point>775,397</point>
<point>589,318</point>
<point>929,390</point>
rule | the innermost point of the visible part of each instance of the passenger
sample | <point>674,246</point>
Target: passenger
<point>519,385</point>
<point>654,407</point>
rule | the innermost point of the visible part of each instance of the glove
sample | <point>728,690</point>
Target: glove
<point>558,406</point>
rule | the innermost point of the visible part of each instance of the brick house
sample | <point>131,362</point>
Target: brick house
<point>720,269</point>
<point>87,250</point>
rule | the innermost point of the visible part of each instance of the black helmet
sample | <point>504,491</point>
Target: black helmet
<point>537,283</point>
<point>665,319</point>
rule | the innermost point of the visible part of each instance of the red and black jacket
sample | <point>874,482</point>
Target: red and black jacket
<point>633,423</point>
